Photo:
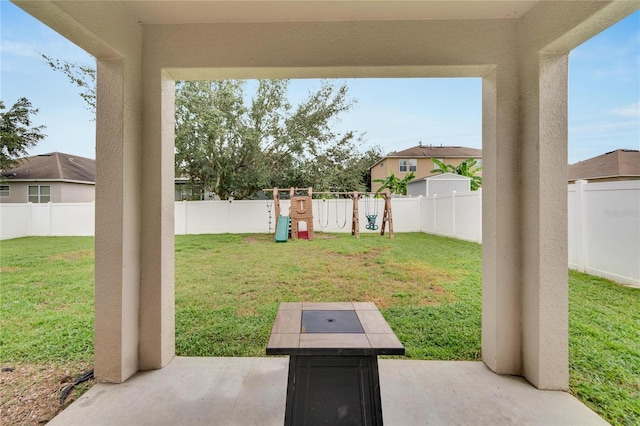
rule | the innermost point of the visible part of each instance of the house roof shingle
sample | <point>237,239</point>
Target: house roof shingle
<point>428,151</point>
<point>54,166</point>
<point>618,163</point>
<point>437,152</point>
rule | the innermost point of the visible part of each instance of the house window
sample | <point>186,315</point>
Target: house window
<point>478,162</point>
<point>39,193</point>
<point>4,190</point>
<point>410,165</point>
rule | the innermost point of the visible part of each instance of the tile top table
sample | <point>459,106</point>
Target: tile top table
<point>355,328</point>
<point>333,353</point>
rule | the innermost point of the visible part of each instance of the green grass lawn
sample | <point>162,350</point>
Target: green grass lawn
<point>228,288</point>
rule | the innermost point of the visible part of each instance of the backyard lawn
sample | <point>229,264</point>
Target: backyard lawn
<point>228,288</point>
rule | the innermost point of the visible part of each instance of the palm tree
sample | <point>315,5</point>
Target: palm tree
<point>466,168</point>
<point>395,185</point>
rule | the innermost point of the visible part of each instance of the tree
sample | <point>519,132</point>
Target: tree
<point>209,129</point>
<point>83,76</point>
<point>235,147</point>
<point>16,133</point>
<point>466,168</point>
<point>342,168</point>
<point>395,185</point>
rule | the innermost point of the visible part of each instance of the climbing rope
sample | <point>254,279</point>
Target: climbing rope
<point>269,205</point>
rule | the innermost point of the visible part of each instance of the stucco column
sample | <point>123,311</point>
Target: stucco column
<point>157,307</point>
<point>544,216</point>
<point>117,243</point>
<point>501,231</point>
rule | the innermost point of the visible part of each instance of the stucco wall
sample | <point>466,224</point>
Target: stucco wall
<point>277,50</point>
<point>523,67</point>
<point>107,31</point>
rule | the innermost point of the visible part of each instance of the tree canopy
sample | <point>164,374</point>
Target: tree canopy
<point>81,75</point>
<point>466,168</point>
<point>234,146</point>
<point>17,134</point>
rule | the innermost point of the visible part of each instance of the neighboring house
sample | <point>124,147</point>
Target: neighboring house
<point>54,177</point>
<point>441,184</point>
<point>418,160</point>
<point>621,164</point>
<point>184,193</point>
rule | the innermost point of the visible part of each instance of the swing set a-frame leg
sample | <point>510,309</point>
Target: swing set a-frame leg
<point>355,221</point>
<point>386,215</point>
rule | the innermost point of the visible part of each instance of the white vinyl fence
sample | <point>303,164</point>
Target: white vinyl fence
<point>604,229</point>
<point>604,221</point>
<point>258,216</point>
<point>47,220</point>
<point>458,215</point>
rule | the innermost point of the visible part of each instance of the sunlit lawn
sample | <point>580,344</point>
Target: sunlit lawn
<point>228,288</point>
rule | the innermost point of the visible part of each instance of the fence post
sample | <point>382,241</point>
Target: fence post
<point>30,221</point>
<point>420,214</point>
<point>581,243</point>
<point>479,215</point>
<point>435,211</point>
<point>453,213</point>
<point>185,216</point>
<point>50,218</point>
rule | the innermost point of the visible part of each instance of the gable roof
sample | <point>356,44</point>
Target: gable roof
<point>437,152</point>
<point>55,166</point>
<point>424,151</point>
<point>618,163</point>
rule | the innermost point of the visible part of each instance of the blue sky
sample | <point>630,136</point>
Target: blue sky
<point>604,95</point>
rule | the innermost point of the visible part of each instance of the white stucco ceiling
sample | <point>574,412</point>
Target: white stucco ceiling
<point>201,11</point>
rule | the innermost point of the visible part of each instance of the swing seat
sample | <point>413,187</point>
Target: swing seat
<point>371,219</point>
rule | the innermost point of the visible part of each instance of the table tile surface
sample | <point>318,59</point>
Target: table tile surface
<point>287,338</point>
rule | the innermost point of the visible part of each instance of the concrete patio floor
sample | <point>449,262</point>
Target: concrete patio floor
<point>252,391</point>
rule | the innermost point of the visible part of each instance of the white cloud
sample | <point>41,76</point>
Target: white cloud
<point>631,110</point>
<point>598,127</point>
<point>17,48</point>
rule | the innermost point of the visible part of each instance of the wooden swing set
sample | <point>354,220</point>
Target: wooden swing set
<point>301,211</point>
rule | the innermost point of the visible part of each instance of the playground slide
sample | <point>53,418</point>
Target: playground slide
<point>282,229</point>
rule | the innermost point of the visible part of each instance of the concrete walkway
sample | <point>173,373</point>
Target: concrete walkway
<point>252,391</point>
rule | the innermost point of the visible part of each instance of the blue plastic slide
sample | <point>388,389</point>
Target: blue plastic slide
<point>282,229</point>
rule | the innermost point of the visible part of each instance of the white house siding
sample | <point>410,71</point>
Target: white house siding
<point>18,192</point>
<point>443,184</point>
<point>61,192</point>
<point>77,193</point>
